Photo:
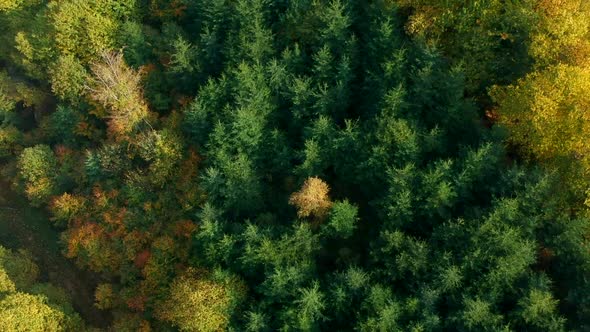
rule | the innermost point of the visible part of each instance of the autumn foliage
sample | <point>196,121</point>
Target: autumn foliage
<point>312,200</point>
<point>310,165</point>
<point>118,88</point>
<point>205,303</point>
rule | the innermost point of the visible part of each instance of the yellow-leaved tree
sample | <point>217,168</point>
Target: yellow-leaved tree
<point>198,302</point>
<point>546,112</point>
<point>86,28</point>
<point>27,306</point>
<point>312,200</point>
<point>561,34</point>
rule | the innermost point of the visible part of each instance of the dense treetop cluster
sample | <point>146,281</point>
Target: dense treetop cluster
<point>305,165</point>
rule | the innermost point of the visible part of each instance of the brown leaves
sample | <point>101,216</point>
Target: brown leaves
<point>184,228</point>
<point>137,303</point>
<point>142,258</point>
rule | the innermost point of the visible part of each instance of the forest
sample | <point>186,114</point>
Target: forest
<point>294,165</point>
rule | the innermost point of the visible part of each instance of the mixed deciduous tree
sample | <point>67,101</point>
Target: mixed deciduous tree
<point>26,312</point>
<point>68,77</point>
<point>545,113</point>
<point>38,167</point>
<point>118,88</point>
<point>26,305</point>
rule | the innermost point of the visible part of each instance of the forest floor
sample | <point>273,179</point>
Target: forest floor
<point>22,226</point>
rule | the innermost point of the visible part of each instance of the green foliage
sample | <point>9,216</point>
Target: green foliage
<point>13,93</point>
<point>311,304</point>
<point>135,43</point>
<point>87,28</point>
<point>163,150</point>
<point>254,40</point>
<point>310,165</point>
<point>44,308</point>
<point>68,77</point>
<point>10,137</point>
<point>6,285</point>
<point>235,185</point>
<point>61,125</point>
<point>182,58</point>
<point>37,167</point>
<point>8,5</point>
<point>539,310</point>
<point>479,316</point>
<point>489,38</point>
<point>19,267</point>
<point>343,219</point>
<point>56,297</point>
<point>6,104</point>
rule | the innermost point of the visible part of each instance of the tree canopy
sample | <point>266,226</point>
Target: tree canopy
<point>256,165</point>
<point>26,305</point>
